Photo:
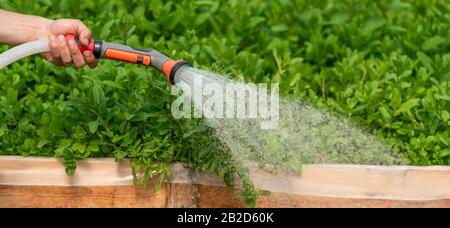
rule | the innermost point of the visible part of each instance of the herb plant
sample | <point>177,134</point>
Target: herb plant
<point>384,64</point>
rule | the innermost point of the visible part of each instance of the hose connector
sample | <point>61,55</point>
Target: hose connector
<point>170,67</point>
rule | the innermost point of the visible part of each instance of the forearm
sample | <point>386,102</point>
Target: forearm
<point>19,28</point>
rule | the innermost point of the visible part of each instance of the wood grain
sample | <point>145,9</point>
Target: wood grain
<point>14,196</point>
<point>284,200</point>
<point>361,182</point>
<point>41,182</point>
<point>181,196</point>
<point>209,197</point>
<point>219,197</point>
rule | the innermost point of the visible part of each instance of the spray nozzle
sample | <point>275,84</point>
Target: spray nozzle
<point>147,57</point>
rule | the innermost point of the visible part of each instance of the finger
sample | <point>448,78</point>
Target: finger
<point>58,62</point>
<point>90,59</point>
<point>64,50</point>
<point>53,45</point>
<point>83,32</point>
<point>48,56</point>
<point>77,57</point>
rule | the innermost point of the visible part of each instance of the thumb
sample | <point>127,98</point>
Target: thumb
<point>83,32</point>
<point>72,26</point>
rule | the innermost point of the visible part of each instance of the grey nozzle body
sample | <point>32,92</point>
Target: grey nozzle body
<point>157,59</point>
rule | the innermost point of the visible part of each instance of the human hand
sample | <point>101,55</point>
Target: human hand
<point>62,52</point>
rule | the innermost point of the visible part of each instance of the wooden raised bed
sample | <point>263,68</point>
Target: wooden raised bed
<point>41,182</point>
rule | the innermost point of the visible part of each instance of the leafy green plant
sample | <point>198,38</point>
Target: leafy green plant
<point>385,64</point>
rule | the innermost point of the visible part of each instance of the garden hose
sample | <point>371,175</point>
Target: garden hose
<point>22,51</point>
<point>148,57</point>
<point>102,50</point>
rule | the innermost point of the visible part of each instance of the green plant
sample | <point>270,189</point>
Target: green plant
<point>385,64</point>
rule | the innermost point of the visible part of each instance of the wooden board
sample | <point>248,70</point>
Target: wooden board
<point>41,182</point>
<point>79,196</point>
<point>223,198</point>
<point>362,182</point>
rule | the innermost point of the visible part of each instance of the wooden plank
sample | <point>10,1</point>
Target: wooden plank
<point>218,197</point>
<point>319,185</point>
<point>284,200</point>
<point>361,182</point>
<point>35,171</point>
<point>221,197</point>
<point>77,196</point>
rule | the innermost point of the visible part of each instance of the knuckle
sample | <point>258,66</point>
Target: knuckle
<point>62,44</point>
<point>53,46</point>
<point>54,49</point>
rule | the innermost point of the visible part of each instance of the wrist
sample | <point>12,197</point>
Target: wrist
<point>21,28</point>
<point>41,28</point>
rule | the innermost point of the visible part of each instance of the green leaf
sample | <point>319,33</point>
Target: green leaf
<point>406,107</point>
<point>396,99</point>
<point>397,6</point>
<point>120,155</point>
<point>43,142</point>
<point>340,17</point>
<point>71,72</point>
<point>78,147</point>
<point>131,31</point>
<point>141,116</point>
<point>201,19</point>
<point>112,84</point>
<point>97,95</point>
<point>41,89</point>
<point>93,146</point>
<point>402,131</point>
<point>93,125</point>
<point>70,167</point>
<point>106,28</point>
<point>296,61</point>
<point>15,79</point>
<point>385,114</point>
<point>280,28</point>
<point>445,115</point>
<point>117,138</point>
<point>444,153</point>
<point>254,21</point>
<point>11,96</point>
<point>433,43</point>
<point>82,107</point>
<point>426,61</point>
